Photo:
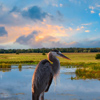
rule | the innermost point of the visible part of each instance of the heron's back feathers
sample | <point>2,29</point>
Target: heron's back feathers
<point>42,77</point>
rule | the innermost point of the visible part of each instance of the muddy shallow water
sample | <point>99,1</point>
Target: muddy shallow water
<point>15,84</point>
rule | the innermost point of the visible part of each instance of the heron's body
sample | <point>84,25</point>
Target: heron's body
<point>43,75</point>
<point>41,79</point>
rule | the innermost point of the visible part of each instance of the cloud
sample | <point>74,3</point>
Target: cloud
<point>26,39</point>
<point>55,5</point>
<point>70,29</point>
<point>48,42</point>
<point>11,45</point>
<point>18,16</point>
<point>56,32</point>
<point>95,43</point>
<point>84,44</point>
<point>87,24</point>
<point>91,7</point>
<point>73,44</point>
<point>34,13</point>
<point>82,26</point>
<point>35,41</point>
<point>59,13</point>
<point>78,29</point>
<point>3,8</point>
<point>2,47</point>
<point>3,32</point>
<point>91,43</point>
<point>8,17</point>
<point>43,30</point>
<point>61,5</point>
<point>95,7</point>
<point>39,39</point>
<point>99,14</point>
<point>87,30</point>
<point>15,9</point>
<point>92,12</point>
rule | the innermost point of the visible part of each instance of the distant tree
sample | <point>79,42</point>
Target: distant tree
<point>84,51</point>
<point>88,51</point>
<point>97,56</point>
<point>75,51</point>
<point>46,50</point>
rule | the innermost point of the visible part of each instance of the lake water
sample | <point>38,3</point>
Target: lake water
<point>15,84</point>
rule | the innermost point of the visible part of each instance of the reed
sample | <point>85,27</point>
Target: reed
<point>87,74</point>
<point>20,67</point>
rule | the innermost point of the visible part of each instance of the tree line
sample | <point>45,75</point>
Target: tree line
<point>46,50</point>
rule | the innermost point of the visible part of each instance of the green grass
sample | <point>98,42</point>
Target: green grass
<point>34,58</point>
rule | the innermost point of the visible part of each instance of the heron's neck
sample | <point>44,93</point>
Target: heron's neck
<point>55,65</point>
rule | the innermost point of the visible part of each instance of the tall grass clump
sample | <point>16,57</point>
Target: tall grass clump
<point>20,67</point>
<point>86,73</point>
<point>43,53</point>
<point>97,56</point>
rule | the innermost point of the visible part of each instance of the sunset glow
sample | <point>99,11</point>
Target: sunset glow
<point>58,23</point>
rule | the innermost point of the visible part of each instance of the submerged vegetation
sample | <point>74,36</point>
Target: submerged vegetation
<point>4,65</point>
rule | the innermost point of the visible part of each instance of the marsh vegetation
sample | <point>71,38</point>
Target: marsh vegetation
<point>82,61</point>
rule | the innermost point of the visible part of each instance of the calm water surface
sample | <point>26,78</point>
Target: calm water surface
<point>15,84</point>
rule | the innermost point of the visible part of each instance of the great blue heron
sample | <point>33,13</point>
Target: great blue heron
<point>44,73</point>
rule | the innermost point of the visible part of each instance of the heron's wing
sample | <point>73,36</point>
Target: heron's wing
<point>42,76</point>
<point>50,81</point>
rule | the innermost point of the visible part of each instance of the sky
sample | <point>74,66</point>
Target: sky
<point>26,24</point>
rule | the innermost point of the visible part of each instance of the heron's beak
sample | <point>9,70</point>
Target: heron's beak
<point>63,56</point>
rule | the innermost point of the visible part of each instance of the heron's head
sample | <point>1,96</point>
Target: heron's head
<point>58,53</point>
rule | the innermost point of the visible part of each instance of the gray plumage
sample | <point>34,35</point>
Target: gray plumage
<point>44,73</point>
